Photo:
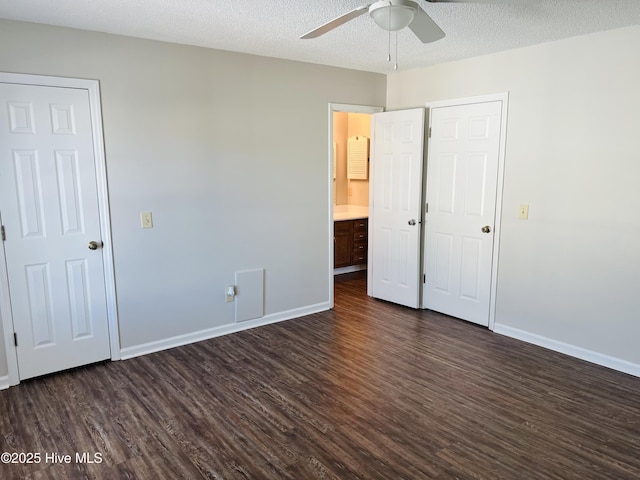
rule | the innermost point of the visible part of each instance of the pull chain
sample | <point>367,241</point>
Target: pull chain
<point>395,67</point>
<point>389,30</point>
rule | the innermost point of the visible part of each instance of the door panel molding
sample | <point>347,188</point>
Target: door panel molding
<point>504,99</point>
<point>93,89</point>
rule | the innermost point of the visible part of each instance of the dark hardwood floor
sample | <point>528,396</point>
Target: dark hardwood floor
<point>369,390</point>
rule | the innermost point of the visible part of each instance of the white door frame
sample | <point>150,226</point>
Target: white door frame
<point>93,88</point>
<point>504,98</point>
<point>348,108</point>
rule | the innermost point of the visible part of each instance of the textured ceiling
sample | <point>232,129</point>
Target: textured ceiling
<point>271,28</point>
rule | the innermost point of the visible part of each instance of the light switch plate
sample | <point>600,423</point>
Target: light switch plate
<point>146,220</point>
<point>524,212</point>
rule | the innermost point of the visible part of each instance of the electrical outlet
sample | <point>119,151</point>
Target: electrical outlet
<point>350,191</point>
<point>524,212</point>
<point>230,293</point>
<point>146,220</point>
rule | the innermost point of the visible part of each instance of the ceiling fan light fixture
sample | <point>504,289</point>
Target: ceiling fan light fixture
<point>393,15</point>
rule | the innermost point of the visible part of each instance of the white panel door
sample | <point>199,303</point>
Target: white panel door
<point>395,206</point>
<point>462,176</point>
<point>49,206</point>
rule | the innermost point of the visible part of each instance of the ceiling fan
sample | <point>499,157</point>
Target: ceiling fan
<point>394,15</point>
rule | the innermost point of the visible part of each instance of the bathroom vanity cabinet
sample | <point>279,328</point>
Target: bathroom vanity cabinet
<point>350,242</point>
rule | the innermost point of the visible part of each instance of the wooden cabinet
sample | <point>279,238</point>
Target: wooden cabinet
<point>359,254</point>
<point>343,243</point>
<point>350,242</point>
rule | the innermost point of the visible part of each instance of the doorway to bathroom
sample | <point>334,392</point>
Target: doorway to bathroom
<point>348,162</point>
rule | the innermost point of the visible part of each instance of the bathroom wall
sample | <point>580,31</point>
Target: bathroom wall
<point>358,190</point>
<point>340,135</point>
<point>345,125</point>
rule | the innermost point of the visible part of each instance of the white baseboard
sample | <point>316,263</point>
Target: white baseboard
<point>4,382</point>
<point>164,344</point>
<point>571,350</point>
<point>349,269</point>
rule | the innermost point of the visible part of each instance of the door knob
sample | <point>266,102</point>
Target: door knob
<point>412,222</point>
<point>93,245</point>
<point>486,229</point>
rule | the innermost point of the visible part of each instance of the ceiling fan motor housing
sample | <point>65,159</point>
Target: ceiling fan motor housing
<point>393,15</point>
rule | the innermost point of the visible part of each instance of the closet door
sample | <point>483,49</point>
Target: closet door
<point>462,185</point>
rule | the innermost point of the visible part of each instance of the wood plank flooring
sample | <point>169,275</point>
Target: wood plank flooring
<point>369,390</point>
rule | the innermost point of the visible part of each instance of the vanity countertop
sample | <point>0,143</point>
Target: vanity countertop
<point>349,212</point>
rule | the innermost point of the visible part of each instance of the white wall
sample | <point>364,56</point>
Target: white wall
<point>228,151</point>
<point>570,275</point>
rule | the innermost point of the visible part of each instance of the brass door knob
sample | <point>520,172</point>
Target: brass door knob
<point>486,229</point>
<point>93,245</point>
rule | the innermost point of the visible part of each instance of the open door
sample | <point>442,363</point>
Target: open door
<point>395,206</point>
<point>332,181</point>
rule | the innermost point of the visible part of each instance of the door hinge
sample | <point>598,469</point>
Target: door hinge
<point>426,207</point>
<point>429,132</point>
<point>3,233</point>
<point>15,339</point>
<point>424,278</point>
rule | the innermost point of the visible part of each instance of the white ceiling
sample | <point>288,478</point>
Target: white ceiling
<point>272,27</point>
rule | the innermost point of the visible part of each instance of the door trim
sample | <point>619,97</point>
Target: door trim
<point>348,108</point>
<point>504,98</point>
<point>93,89</point>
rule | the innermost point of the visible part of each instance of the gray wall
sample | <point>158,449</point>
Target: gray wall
<point>229,152</point>
<point>570,275</point>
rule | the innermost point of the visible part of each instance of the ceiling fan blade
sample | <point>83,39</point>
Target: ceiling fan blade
<point>336,22</point>
<point>425,28</point>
